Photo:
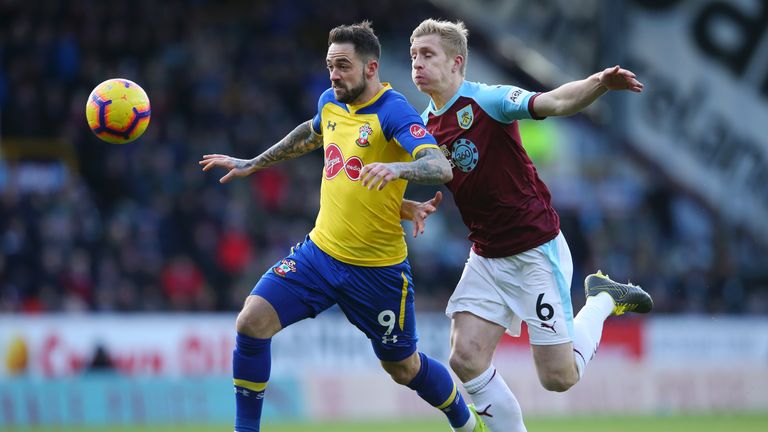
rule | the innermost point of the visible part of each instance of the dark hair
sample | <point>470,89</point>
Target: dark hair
<point>361,36</point>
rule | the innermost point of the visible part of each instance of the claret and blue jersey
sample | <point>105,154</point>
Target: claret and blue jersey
<point>500,196</point>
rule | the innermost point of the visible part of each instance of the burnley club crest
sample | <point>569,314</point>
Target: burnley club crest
<point>465,117</point>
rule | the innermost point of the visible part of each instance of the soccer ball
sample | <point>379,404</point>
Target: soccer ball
<point>118,111</point>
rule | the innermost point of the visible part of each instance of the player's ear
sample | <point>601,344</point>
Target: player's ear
<point>371,67</point>
<point>458,62</point>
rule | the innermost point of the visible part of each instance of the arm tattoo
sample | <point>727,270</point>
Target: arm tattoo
<point>430,167</point>
<point>299,141</point>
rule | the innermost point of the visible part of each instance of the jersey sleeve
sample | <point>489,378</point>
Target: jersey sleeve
<point>506,103</point>
<point>400,121</point>
<point>317,119</point>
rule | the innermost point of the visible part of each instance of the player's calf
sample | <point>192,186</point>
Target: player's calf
<point>555,366</point>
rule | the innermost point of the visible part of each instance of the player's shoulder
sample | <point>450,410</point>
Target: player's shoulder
<point>327,97</point>
<point>478,90</point>
<point>394,96</point>
<point>391,100</point>
<point>503,102</point>
<point>393,105</point>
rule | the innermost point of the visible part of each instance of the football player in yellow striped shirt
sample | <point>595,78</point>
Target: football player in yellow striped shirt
<point>374,143</point>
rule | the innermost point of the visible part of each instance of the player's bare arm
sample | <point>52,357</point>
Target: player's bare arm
<point>299,141</point>
<point>574,96</point>
<point>429,167</point>
<point>418,212</point>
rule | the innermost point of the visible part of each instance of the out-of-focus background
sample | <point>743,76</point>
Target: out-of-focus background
<point>122,268</point>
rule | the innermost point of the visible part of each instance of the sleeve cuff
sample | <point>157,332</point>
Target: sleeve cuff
<point>530,108</point>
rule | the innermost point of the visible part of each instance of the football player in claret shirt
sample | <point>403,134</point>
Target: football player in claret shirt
<point>519,268</point>
<point>374,143</point>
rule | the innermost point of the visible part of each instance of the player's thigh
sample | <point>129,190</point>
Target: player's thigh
<point>478,294</point>
<point>289,291</point>
<point>473,342</point>
<point>475,336</point>
<point>541,294</point>
<point>379,301</point>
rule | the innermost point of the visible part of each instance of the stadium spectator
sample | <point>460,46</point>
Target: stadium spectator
<point>132,208</point>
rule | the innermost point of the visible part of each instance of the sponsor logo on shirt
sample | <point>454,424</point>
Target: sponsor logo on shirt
<point>464,154</point>
<point>335,163</point>
<point>418,131</point>
<point>514,95</point>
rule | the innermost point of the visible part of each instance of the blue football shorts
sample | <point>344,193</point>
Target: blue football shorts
<point>377,300</point>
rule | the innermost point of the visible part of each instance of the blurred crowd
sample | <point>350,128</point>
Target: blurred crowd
<point>89,226</point>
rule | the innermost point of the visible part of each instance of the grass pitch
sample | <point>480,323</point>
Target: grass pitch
<point>697,423</point>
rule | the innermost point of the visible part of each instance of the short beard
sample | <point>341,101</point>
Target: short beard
<point>354,92</point>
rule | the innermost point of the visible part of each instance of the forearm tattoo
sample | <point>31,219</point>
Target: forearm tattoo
<point>299,141</point>
<point>430,167</point>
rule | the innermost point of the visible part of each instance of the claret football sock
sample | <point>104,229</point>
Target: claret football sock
<point>251,364</point>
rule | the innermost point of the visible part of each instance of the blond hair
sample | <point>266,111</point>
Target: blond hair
<point>453,37</point>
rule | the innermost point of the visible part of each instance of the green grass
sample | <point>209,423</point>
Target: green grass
<point>708,423</point>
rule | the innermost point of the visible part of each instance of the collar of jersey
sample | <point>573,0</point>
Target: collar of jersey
<point>354,108</point>
<point>445,107</point>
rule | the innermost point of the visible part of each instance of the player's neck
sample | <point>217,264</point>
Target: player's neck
<point>444,95</point>
<point>369,93</point>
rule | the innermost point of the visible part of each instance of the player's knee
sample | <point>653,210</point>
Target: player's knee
<point>558,381</point>
<point>402,372</point>
<point>401,375</point>
<point>257,320</point>
<point>466,362</point>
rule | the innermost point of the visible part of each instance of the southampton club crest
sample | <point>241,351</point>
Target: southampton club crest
<point>465,117</point>
<point>365,135</point>
<point>284,267</point>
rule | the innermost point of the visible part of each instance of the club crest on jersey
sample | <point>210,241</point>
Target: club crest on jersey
<point>464,154</point>
<point>365,133</point>
<point>284,267</point>
<point>465,117</point>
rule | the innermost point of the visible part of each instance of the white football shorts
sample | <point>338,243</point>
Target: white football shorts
<point>533,286</point>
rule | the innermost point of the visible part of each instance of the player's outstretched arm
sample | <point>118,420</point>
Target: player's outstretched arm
<point>574,96</point>
<point>300,141</point>
<point>418,212</point>
<point>430,167</point>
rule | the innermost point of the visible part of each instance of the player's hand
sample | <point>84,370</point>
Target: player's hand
<point>236,167</point>
<point>418,212</point>
<point>378,174</point>
<point>616,78</point>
